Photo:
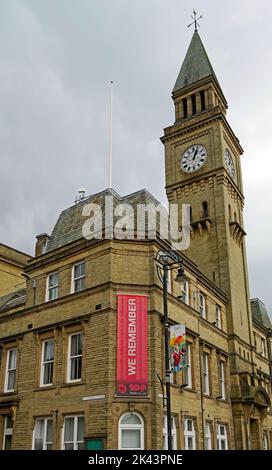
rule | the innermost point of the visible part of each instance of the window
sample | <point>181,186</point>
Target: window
<point>131,432</point>
<point>222,388</point>
<point>254,336</point>
<point>74,357</point>
<point>208,436</point>
<point>205,209</point>
<point>222,439</point>
<point>10,378</point>
<point>191,214</point>
<point>265,441</point>
<point>43,434</point>
<point>8,428</point>
<point>189,435</point>
<point>185,107</point>
<point>52,292</point>
<point>165,433</point>
<point>218,321</point>
<point>73,433</point>
<point>263,351</point>
<point>47,362</point>
<point>187,373</point>
<point>185,292</point>
<point>78,283</point>
<point>193,101</point>
<point>205,360</point>
<point>202,305</point>
<point>202,100</point>
<point>229,212</point>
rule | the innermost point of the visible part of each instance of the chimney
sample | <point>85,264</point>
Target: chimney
<point>41,243</point>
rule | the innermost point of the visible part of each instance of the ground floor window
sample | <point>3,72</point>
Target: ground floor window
<point>131,432</point>
<point>222,438</point>
<point>73,433</point>
<point>165,434</point>
<point>189,434</point>
<point>8,428</point>
<point>265,441</point>
<point>208,436</point>
<point>43,434</point>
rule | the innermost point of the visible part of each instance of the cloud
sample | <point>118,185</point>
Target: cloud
<point>56,61</point>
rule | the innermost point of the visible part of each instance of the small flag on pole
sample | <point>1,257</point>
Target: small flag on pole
<point>178,350</point>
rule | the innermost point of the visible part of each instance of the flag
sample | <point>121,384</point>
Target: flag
<point>178,350</point>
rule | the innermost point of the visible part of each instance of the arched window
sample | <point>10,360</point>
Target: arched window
<point>205,209</point>
<point>131,432</point>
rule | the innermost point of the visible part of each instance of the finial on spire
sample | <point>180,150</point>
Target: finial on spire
<point>195,20</point>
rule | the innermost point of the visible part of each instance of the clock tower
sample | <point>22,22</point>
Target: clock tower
<point>202,168</point>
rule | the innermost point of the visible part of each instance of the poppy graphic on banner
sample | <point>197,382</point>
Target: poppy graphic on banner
<point>178,350</point>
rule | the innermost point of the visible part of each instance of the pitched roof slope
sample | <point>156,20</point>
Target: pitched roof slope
<point>196,65</point>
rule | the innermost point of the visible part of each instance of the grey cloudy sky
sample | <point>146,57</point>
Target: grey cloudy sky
<point>56,60</point>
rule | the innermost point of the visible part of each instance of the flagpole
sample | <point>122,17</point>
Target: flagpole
<point>110,138</point>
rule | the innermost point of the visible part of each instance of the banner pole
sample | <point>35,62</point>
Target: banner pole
<point>167,361</point>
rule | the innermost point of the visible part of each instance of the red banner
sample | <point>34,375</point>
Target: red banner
<point>132,367</point>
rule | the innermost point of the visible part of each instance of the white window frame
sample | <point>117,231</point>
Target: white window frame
<point>75,442</point>
<point>43,362</point>
<point>208,436</point>
<point>7,431</point>
<point>52,288</point>
<point>8,371</point>
<point>202,305</point>
<point>133,427</point>
<point>205,373</point>
<point>69,358</point>
<point>221,437</point>
<point>185,292</point>
<point>218,316</point>
<point>173,432</point>
<point>83,276</point>
<point>222,385</point>
<point>189,434</point>
<point>188,371</point>
<point>45,442</point>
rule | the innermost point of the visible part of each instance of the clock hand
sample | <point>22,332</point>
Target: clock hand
<point>195,152</point>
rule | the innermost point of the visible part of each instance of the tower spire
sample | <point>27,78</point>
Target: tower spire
<point>196,67</point>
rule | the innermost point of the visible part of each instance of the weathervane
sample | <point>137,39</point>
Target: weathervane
<point>196,19</point>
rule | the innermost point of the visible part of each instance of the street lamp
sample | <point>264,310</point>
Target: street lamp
<point>168,261</point>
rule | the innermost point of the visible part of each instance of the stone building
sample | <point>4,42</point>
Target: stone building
<point>58,337</point>
<point>12,263</point>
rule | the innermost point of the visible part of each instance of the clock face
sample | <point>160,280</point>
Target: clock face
<point>229,163</point>
<point>193,158</point>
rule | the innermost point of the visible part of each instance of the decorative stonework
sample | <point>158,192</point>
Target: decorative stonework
<point>237,232</point>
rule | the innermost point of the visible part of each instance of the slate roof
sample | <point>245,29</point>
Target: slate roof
<point>70,222</point>
<point>196,65</point>
<point>260,314</point>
